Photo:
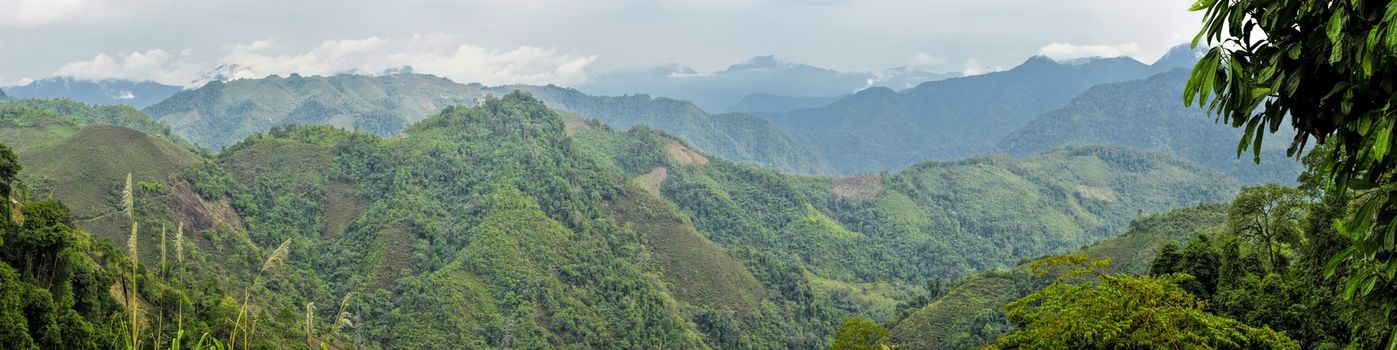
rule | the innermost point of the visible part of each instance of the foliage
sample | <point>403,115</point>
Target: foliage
<point>86,114</point>
<point>1293,296</point>
<point>1086,307</point>
<point>859,333</point>
<point>1269,214</point>
<point>1328,68</point>
<point>969,314</point>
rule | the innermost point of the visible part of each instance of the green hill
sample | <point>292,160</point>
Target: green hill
<point>738,137</point>
<point>968,314</point>
<point>221,113</point>
<point>939,219</point>
<point>97,114</point>
<point>514,225</point>
<point>1148,114</point>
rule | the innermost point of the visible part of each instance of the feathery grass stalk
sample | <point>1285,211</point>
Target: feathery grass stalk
<point>179,243</point>
<point>128,199</point>
<point>163,237</point>
<point>274,261</point>
<point>341,318</point>
<point>310,319</point>
<point>128,203</point>
<point>131,294</point>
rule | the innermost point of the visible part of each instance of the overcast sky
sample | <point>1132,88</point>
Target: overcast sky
<point>559,41</point>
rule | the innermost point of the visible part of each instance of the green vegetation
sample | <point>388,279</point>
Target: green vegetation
<point>859,333</point>
<point>220,114</point>
<point>969,313</point>
<point>513,225</point>
<point>1110,311</point>
<point>1334,86</point>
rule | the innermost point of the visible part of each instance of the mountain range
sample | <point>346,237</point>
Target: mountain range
<point>101,92</point>
<point>879,129</point>
<point>1147,114</point>
<point>221,113</point>
<point>770,75</point>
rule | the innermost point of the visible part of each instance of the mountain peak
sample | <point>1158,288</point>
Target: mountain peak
<point>1179,56</point>
<point>1037,61</point>
<point>759,62</point>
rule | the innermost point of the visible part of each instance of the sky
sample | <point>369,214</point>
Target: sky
<point>183,42</point>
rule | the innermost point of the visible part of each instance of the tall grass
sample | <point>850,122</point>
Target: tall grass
<point>273,261</point>
<point>310,322</point>
<point>341,321</point>
<point>128,203</point>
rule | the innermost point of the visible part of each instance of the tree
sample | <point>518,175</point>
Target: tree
<point>1267,214</point>
<point>859,333</point>
<point>1087,308</point>
<point>1329,68</point>
<point>9,175</point>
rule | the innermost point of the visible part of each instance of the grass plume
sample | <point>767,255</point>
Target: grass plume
<point>179,243</point>
<point>275,260</point>
<point>128,199</point>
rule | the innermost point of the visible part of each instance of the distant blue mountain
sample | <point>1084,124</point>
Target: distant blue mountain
<point>881,129</point>
<point>769,103</point>
<point>769,75</point>
<point>100,92</point>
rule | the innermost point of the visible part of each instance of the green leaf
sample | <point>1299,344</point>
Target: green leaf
<point>1372,282</point>
<point>1202,4</point>
<point>1336,25</point>
<point>1259,92</point>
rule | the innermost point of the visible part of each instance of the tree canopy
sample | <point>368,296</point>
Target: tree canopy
<point>1329,70</point>
<point>1088,308</point>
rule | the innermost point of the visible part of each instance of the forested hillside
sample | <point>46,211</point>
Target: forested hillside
<point>734,136</point>
<point>967,313</point>
<point>880,129</point>
<point>1148,114</point>
<point>936,220</point>
<point>1258,260</point>
<point>477,224</point>
<point>221,113</point>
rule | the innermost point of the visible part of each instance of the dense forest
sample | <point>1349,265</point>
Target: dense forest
<point>1089,203</point>
<point>432,237</point>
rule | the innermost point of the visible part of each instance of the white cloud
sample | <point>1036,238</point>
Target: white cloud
<point>33,13</point>
<point>1061,51</point>
<point>438,54</point>
<point>21,13</point>
<point>922,59</point>
<point>974,67</point>
<point>156,65</point>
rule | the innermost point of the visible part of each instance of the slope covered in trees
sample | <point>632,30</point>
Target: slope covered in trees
<point>1148,114</point>
<point>1257,263</point>
<point>969,313</point>
<point>222,113</point>
<point>934,220</point>
<point>479,223</point>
